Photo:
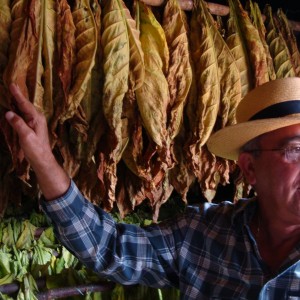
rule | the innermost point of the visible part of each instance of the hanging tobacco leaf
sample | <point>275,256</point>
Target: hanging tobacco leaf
<point>86,47</point>
<point>148,153</point>
<point>153,96</point>
<point>278,48</point>
<point>202,111</point>
<point>87,179</point>
<point>179,75</point>
<point>251,38</point>
<point>234,40</point>
<point>290,39</point>
<point>230,89</point>
<point>24,64</point>
<point>5,26</point>
<point>63,65</point>
<point>257,19</point>
<point>180,176</point>
<point>116,55</point>
<point>48,33</point>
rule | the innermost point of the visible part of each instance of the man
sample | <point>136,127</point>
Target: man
<point>247,250</point>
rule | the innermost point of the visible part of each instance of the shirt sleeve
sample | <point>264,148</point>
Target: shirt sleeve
<point>121,252</point>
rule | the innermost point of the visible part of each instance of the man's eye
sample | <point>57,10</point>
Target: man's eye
<point>295,149</point>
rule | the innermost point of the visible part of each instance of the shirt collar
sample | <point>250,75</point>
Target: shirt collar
<point>244,211</point>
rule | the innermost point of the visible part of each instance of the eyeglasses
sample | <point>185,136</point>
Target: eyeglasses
<point>292,153</point>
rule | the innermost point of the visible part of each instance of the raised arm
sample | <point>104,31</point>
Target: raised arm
<point>31,128</point>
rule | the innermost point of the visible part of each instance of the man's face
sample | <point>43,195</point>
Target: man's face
<point>276,180</point>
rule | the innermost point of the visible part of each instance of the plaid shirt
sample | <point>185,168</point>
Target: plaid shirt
<point>208,252</point>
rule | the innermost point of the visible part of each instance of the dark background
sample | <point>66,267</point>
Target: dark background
<point>290,7</point>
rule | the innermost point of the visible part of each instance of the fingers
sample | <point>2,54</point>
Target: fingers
<point>24,105</point>
<point>17,123</point>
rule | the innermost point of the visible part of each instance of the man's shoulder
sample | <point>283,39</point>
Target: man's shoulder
<point>223,211</point>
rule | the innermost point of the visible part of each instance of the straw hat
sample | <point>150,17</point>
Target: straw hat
<point>271,106</point>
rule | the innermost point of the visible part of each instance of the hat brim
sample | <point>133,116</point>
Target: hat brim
<point>228,141</point>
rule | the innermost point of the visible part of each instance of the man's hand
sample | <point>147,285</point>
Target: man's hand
<point>32,131</point>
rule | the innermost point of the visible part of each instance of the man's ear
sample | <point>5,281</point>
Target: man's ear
<point>246,164</point>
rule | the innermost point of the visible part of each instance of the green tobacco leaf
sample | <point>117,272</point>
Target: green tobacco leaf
<point>5,259</point>
<point>26,237</point>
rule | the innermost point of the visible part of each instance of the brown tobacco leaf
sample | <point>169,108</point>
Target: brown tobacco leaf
<point>92,106</point>
<point>116,55</point>
<point>203,108</point>
<point>5,24</point>
<point>180,73</point>
<point>290,39</point>
<point>48,54</point>
<point>230,90</point>
<point>86,47</point>
<point>24,43</point>
<point>153,96</point>
<point>235,43</point>
<point>278,48</point>
<point>257,20</point>
<point>137,66</point>
<point>63,67</point>
<point>24,64</point>
<point>82,141</point>
<point>251,38</point>
<point>181,178</point>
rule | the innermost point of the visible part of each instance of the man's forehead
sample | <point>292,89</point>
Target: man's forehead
<point>283,135</point>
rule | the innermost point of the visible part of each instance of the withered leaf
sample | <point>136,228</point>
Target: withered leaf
<point>278,48</point>
<point>153,96</point>
<point>238,48</point>
<point>86,47</point>
<point>289,37</point>
<point>251,38</point>
<point>257,20</point>
<point>48,53</point>
<point>203,110</point>
<point>180,73</point>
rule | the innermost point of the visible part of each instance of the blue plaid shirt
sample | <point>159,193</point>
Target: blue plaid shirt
<point>208,252</point>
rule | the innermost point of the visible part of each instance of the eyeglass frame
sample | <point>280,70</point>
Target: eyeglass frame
<point>286,150</point>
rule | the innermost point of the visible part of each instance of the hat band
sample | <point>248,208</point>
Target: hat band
<point>278,110</point>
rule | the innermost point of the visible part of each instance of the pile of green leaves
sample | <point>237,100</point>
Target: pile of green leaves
<point>29,251</point>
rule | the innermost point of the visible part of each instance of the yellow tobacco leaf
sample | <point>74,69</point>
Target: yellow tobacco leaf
<point>255,48</point>
<point>278,48</point>
<point>257,19</point>
<point>36,69</point>
<point>48,30</point>
<point>228,73</point>
<point>238,48</point>
<point>206,74</point>
<point>290,39</point>
<point>153,96</point>
<point>116,59</point>
<point>202,112</point>
<point>180,73</point>
<point>86,47</point>
<point>137,66</point>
